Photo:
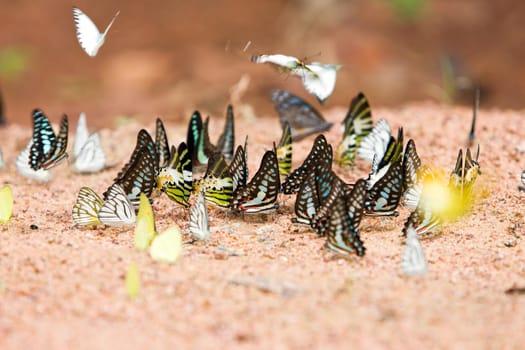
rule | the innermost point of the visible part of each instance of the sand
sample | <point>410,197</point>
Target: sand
<point>263,282</point>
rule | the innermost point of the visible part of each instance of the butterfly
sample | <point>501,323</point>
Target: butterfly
<point>226,142</point>
<point>307,200</point>
<point>47,149</point>
<point>86,207</point>
<point>92,157</point>
<point>304,120</point>
<point>145,141</point>
<point>164,247</point>
<point>238,167</point>
<point>383,198</point>
<point>22,166</point>
<point>475,107</point>
<point>414,262</point>
<point>522,186</point>
<point>261,192</point>
<point>132,281</point>
<point>284,151</point>
<point>161,143</point>
<point>193,139</point>
<point>6,204</point>
<point>176,179</point>
<point>411,165</point>
<point>139,177</point>
<point>321,151</point>
<point>117,209</point>
<point>464,174</point>
<point>342,237</point>
<point>217,183</point>
<point>88,35</point>
<point>376,142</point>
<point>357,125</point>
<point>318,78</point>
<point>199,225</point>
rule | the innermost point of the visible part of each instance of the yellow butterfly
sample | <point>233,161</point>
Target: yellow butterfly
<point>133,281</point>
<point>166,246</point>
<point>6,204</point>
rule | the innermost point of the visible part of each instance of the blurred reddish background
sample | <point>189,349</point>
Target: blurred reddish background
<point>168,58</point>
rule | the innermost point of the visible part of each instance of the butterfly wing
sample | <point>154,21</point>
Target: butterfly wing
<point>23,168</point>
<point>226,142</point>
<point>376,143</point>
<point>414,262</point>
<point>43,141</point>
<point>81,135</point>
<point>161,144</point>
<point>145,228</point>
<point>282,62</point>
<point>88,35</point>
<point>144,140</point>
<point>86,207</point>
<point>91,158</point>
<point>117,209</point>
<point>261,192</point>
<point>140,177</point>
<point>6,204</point>
<point>355,202</point>
<point>284,151</point>
<point>194,135</point>
<point>199,225</point>
<point>307,200</point>
<point>176,180</point>
<point>166,247</point>
<point>217,183</point>
<point>383,198</point>
<point>238,169</point>
<point>411,165</point>
<point>319,79</point>
<point>304,120</point>
<point>321,150</point>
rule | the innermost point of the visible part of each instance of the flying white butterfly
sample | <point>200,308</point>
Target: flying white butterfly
<point>318,78</point>
<point>414,262</point>
<point>22,166</point>
<point>87,149</point>
<point>88,35</point>
<point>199,225</point>
<point>117,209</point>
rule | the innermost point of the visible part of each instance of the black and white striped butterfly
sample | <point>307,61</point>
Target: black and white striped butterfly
<point>522,177</point>
<point>199,225</point>
<point>261,192</point>
<point>342,236</point>
<point>117,209</point>
<point>162,145</point>
<point>321,151</point>
<point>47,149</point>
<point>357,125</point>
<point>411,165</point>
<point>304,119</point>
<point>145,141</point>
<point>307,200</point>
<point>414,262</point>
<point>383,198</point>
<point>238,167</point>
<point>318,78</point>
<point>86,208</point>
<point>88,35</point>
<point>140,176</point>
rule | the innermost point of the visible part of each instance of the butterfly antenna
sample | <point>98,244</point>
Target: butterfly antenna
<point>111,23</point>
<point>475,107</point>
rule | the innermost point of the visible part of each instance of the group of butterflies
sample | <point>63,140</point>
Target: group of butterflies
<point>318,78</point>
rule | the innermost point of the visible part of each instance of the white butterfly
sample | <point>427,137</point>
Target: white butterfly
<point>318,78</point>
<point>117,209</point>
<point>375,143</point>
<point>199,225</point>
<point>87,150</point>
<point>22,166</point>
<point>414,262</point>
<point>88,35</point>
<point>86,208</point>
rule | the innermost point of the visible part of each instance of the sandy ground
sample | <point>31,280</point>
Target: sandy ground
<point>263,282</point>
